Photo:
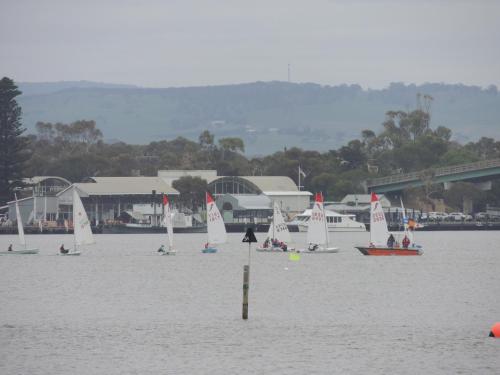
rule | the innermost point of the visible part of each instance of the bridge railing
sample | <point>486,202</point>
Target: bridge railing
<point>443,171</point>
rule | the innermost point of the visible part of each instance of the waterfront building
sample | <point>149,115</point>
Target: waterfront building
<point>244,208</point>
<point>280,189</point>
<point>37,199</point>
<point>105,198</point>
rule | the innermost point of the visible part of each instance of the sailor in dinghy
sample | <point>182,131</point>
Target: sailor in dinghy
<point>381,241</point>
<point>317,231</point>
<point>82,232</point>
<point>216,230</point>
<point>167,220</point>
<point>20,233</point>
<point>278,236</point>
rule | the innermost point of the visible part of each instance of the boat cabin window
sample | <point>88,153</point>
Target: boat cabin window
<point>334,219</point>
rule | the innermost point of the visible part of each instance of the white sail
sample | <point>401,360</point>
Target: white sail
<point>317,232</point>
<point>215,225</point>
<point>280,228</point>
<point>81,223</point>
<point>20,229</point>
<point>167,220</point>
<point>270,231</point>
<point>378,225</point>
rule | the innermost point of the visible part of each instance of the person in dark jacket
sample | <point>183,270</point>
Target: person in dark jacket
<point>390,241</point>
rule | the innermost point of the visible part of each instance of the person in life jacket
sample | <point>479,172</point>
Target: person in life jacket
<point>406,242</point>
<point>266,243</point>
<point>63,250</point>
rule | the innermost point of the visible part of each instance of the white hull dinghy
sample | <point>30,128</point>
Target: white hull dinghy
<point>216,230</point>
<point>278,236</point>
<point>22,239</point>
<point>82,233</point>
<point>167,221</point>
<point>317,231</point>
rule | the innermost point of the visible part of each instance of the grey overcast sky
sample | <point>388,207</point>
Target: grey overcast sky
<point>163,43</point>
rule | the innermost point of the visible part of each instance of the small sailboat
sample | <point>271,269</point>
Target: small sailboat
<point>317,230</point>
<point>167,220</point>
<point>22,240</point>
<point>381,241</point>
<point>82,233</point>
<point>409,225</point>
<point>278,236</point>
<point>216,230</point>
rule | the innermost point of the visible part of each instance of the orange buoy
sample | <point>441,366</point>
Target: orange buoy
<point>495,330</point>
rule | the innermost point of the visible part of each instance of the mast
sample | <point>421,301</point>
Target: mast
<point>34,206</point>
<point>74,218</point>
<point>19,219</point>
<point>274,219</point>
<point>299,179</point>
<point>324,217</point>
<point>45,208</point>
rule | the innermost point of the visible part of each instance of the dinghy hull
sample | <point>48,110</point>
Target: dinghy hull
<point>209,250</point>
<point>320,250</point>
<point>169,252</point>
<point>388,251</point>
<point>274,250</point>
<point>20,252</point>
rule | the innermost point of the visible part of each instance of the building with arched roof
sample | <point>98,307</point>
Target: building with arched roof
<point>38,198</point>
<point>279,189</point>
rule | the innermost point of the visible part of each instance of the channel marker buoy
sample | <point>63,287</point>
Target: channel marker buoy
<point>495,330</point>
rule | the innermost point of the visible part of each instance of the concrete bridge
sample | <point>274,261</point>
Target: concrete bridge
<point>478,172</point>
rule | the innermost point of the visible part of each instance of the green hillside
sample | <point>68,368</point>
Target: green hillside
<point>267,115</point>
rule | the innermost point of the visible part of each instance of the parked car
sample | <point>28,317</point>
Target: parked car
<point>481,216</point>
<point>494,217</point>
<point>456,216</point>
<point>438,216</point>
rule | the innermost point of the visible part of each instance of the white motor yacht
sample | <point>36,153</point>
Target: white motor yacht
<point>336,222</point>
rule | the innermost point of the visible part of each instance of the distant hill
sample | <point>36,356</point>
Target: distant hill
<point>267,115</point>
<point>30,88</point>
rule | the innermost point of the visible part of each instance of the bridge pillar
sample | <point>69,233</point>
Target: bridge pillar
<point>486,185</point>
<point>468,205</point>
<point>448,185</point>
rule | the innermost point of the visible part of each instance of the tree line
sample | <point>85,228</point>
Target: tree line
<point>405,143</point>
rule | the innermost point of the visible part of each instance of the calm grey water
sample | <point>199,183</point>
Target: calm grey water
<point>122,309</point>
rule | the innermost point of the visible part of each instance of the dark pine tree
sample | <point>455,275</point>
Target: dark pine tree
<point>12,145</point>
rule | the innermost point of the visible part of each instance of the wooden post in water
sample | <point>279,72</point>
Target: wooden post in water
<point>249,237</point>
<point>246,286</point>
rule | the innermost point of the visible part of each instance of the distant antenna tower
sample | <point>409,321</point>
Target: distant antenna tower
<point>419,103</point>
<point>427,103</point>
